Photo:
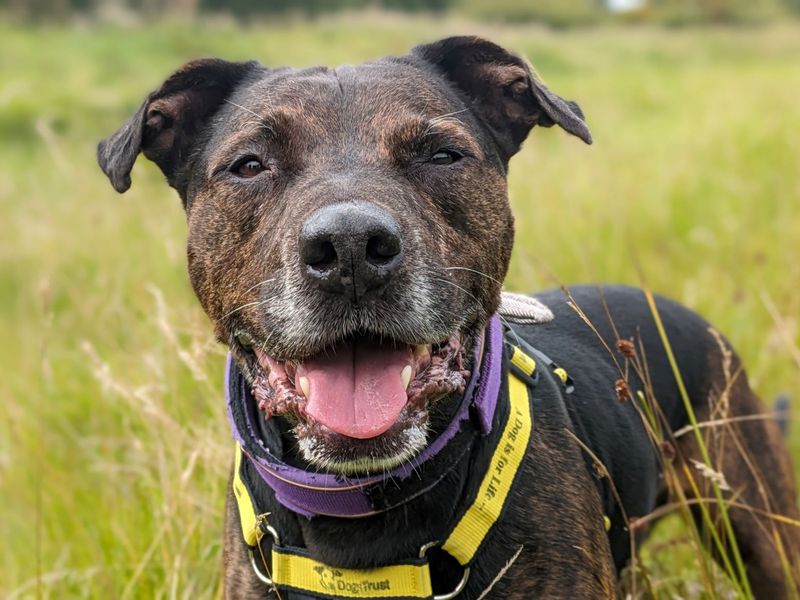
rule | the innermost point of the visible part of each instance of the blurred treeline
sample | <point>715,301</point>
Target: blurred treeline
<point>555,13</point>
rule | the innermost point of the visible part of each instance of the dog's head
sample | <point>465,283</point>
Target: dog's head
<point>349,228</point>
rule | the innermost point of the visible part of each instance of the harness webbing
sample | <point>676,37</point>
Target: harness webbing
<point>474,526</point>
<point>294,569</point>
<point>249,520</point>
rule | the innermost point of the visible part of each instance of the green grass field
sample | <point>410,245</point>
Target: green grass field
<point>114,446</point>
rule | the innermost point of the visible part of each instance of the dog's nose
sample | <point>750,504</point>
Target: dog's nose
<point>351,249</point>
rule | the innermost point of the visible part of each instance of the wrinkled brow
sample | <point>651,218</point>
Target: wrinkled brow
<point>446,128</point>
<point>252,131</point>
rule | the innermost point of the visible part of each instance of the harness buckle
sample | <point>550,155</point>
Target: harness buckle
<point>265,527</point>
<point>461,584</point>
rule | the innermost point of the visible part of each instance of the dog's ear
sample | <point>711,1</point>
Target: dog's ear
<point>503,90</point>
<point>168,121</point>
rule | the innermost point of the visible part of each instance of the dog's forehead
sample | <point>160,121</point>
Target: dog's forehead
<point>372,112</point>
<point>386,89</point>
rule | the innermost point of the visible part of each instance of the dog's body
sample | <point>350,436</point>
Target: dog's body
<point>556,512</point>
<point>348,231</point>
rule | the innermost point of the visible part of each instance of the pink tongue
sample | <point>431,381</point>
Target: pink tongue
<point>358,392</point>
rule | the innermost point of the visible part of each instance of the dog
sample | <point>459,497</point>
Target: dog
<point>349,232</point>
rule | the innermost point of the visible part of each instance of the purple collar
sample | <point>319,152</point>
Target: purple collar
<point>310,494</point>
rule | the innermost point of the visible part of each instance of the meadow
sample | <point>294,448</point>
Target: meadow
<point>114,447</point>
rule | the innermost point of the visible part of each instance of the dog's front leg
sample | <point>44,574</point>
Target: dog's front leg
<point>556,522</point>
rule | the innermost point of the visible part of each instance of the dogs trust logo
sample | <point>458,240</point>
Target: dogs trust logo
<point>328,577</point>
<point>333,581</point>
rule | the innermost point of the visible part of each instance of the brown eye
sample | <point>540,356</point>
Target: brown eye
<point>249,167</point>
<point>445,157</point>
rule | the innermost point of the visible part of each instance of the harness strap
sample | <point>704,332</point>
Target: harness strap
<point>248,519</point>
<point>294,569</point>
<point>465,540</point>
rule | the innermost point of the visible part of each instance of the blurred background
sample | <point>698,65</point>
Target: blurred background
<point>552,13</point>
<point>114,447</point>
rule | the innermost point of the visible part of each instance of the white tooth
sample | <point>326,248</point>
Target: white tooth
<point>304,386</point>
<point>405,375</point>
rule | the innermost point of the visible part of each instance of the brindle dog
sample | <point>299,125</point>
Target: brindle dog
<point>354,223</point>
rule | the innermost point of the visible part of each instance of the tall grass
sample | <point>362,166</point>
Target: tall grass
<point>114,446</point>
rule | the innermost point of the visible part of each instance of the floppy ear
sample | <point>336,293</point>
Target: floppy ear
<point>503,90</point>
<point>167,123</point>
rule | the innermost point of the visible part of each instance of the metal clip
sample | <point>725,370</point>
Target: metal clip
<point>461,584</point>
<point>261,521</point>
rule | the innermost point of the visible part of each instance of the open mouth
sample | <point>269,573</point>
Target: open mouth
<point>361,398</point>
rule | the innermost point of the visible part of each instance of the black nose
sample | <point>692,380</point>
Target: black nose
<point>351,249</point>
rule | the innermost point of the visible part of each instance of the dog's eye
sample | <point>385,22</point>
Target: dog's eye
<point>445,157</point>
<point>248,167</point>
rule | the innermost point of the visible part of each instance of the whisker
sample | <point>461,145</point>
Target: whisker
<point>260,125</point>
<point>256,115</point>
<point>252,287</point>
<point>243,306</point>
<point>458,287</point>
<point>509,328</point>
<point>448,115</point>
<point>481,273</point>
<point>244,108</point>
<point>502,318</point>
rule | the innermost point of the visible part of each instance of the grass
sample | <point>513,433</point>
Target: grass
<point>114,447</point>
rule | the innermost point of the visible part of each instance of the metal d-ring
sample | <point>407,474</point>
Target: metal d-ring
<point>261,577</point>
<point>461,584</point>
<point>262,523</point>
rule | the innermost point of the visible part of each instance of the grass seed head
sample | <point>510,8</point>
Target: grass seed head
<point>626,348</point>
<point>622,389</point>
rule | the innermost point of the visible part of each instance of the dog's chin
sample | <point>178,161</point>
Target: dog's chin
<point>363,405</point>
<point>329,451</point>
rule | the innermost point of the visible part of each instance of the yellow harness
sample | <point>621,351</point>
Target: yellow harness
<point>294,569</point>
